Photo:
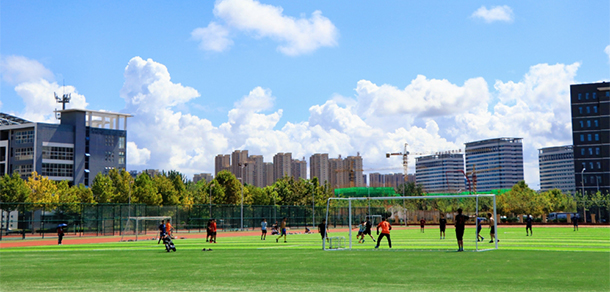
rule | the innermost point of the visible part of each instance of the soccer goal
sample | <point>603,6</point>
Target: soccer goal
<point>143,225</point>
<point>426,210</point>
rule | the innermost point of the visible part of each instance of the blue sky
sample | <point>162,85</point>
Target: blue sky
<point>307,76</point>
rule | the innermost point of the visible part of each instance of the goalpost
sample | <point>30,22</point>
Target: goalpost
<point>348,243</point>
<point>139,220</point>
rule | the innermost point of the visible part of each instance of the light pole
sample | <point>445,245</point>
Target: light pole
<point>313,207</point>
<point>242,165</point>
<point>211,185</point>
<point>274,206</point>
<point>582,183</point>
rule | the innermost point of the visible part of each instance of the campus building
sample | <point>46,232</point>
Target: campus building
<point>82,145</point>
<point>557,168</point>
<point>298,169</point>
<point>282,165</point>
<point>494,163</point>
<point>590,105</point>
<point>222,162</point>
<point>440,173</point>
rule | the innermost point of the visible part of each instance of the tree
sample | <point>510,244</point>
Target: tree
<point>231,186</point>
<point>122,182</point>
<point>168,193</point>
<point>145,192</point>
<point>13,189</point>
<point>42,190</point>
<point>103,189</point>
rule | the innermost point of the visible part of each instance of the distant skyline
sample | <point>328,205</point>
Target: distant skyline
<point>204,78</point>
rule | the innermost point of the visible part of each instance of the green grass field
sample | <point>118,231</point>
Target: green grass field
<point>555,259</point>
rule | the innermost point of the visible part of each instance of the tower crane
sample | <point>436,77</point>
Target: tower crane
<point>405,157</point>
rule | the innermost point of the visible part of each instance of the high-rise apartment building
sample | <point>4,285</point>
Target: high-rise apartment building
<point>557,168</point>
<point>202,176</point>
<point>239,158</point>
<point>318,167</point>
<point>353,170</point>
<point>336,172</point>
<point>222,162</point>
<point>590,105</point>
<point>299,169</point>
<point>498,163</point>
<point>440,173</point>
<point>258,166</point>
<point>82,145</point>
<point>282,164</point>
<point>268,178</point>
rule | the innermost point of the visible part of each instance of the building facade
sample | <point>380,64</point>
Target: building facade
<point>268,178</point>
<point>299,169</point>
<point>318,167</point>
<point>222,162</point>
<point>82,145</point>
<point>207,177</point>
<point>258,175</point>
<point>494,163</point>
<point>441,173</point>
<point>239,158</point>
<point>557,168</point>
<point>590,105</point>
<point>282,165</point>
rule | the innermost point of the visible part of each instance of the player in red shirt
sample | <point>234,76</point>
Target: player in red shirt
<point>213,231</point>
<point>385,231</point>
<point>422,223</point>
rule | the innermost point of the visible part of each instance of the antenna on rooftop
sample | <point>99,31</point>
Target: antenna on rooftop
<point>63,100</point>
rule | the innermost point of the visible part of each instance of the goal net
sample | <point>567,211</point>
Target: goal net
<point>148,225</point>
<point>406,214</point>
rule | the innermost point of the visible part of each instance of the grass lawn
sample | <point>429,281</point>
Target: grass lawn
<point>555,259</point>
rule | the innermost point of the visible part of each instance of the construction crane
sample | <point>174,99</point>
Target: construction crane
<point>405,157</point>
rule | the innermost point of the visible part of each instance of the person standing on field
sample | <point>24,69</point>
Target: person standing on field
<point>575,221</point>
<point>385,231</point>
<point>367,230</point>
<point>264,229</point>
<point>492,228</point>
<point>168,228</point>
<point>322,230</point>
<point>442,223</point>
<point>60,234</point>
<point>460,225</point>
<point>422,223</point>
<point>213,231</point>
<point>282,231</point>
<point>528,226</point>
<point>208,232</point>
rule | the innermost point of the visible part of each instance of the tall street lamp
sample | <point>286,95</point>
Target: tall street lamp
<point>242,165</point>
<point>313,206</point>
<point>582,183</point>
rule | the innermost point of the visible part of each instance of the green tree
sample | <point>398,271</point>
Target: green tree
<point>103,189</point>
<point>231,187</point>
<point>166,188</point>
<point>145,192</point>
<point>13,189</point>
<point>42,190</point>
<point>122,182</point>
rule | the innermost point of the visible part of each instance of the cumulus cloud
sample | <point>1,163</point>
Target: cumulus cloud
<point>35,84</point>
<point>296,35</point>
<point>19,69</point>
<point>496,13</point>
<point>607,51</point>
<point>137,156</point>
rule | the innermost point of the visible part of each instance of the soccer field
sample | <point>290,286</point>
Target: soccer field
<point>554,259</point>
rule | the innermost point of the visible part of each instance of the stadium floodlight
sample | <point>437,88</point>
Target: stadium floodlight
<point>476,197</point>
<point>140,222</point>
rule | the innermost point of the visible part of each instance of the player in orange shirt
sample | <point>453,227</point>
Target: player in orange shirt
<point>385,231</point>
<point>168,228</point>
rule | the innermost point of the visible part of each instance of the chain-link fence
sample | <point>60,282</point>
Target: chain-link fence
<point>23,220</point>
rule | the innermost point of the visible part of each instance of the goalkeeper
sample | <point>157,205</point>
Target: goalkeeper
<point>385,231</point>
<point>367,230</point>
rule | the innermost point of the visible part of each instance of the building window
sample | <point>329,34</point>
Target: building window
<point>595,109</point>
<point>121,157</point>
<point>582,138</point>
<point>589,137</point>
<point>582,124</point>
<point>57,153</point>
<point>595,123</point>
<point>589,124</point>
<point>57,170</point>
<point>596,150</point>
<point>584,165</point>
<point>22,137</point>
<point>591,165</point>
<point>596,137</point>
<point>587,95</point>
<point>24,170</point>
<point>607,93</point>
<point>590,151</point>
<point>582,151</point>
<point>580,109</point>
<point>121,142</point>
<point>599,165</point>
<point>109,156</point>
<point>588,110</point>
<point>24,153</point>
<point>579,96</point>
<point>594,95</point>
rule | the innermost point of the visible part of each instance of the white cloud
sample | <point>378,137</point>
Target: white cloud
<point>34,84</point>
<point>214,37</point>
<point>296,35</point>
<point>19,69</point>
<point>137,156</point>
<point>496,13</point>
<point>607,51</point>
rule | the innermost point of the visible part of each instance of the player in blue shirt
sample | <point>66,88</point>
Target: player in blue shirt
<point>479,221</point>
<point>264,229</point>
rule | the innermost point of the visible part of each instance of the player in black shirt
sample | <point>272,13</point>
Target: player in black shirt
<point>528,226</point>
<point>460,222</point>
<point>322,230</point>
<point>442,224</point>
<point>367,230</point>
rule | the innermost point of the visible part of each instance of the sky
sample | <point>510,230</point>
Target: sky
<point>203,78</point>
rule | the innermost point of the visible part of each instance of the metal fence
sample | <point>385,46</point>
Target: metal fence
<point>23,220</point>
